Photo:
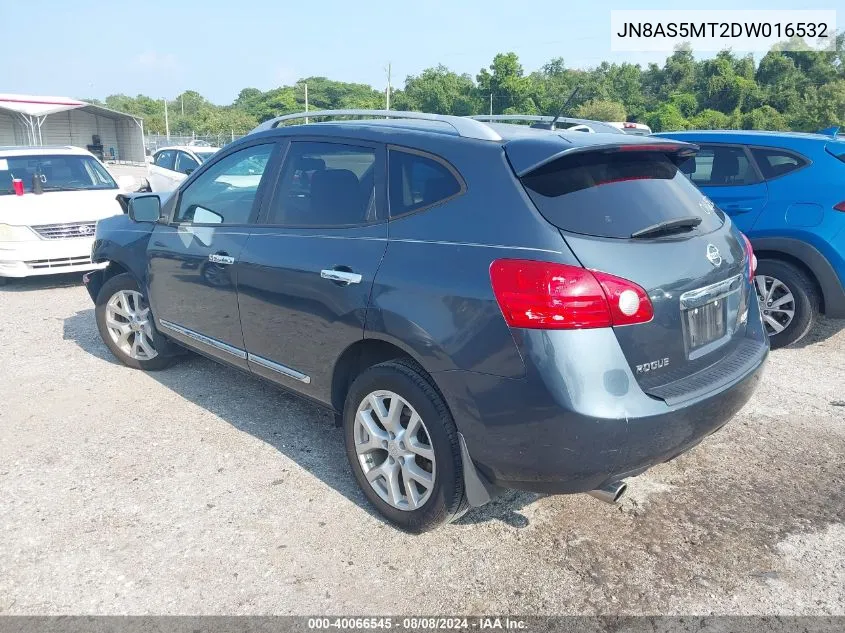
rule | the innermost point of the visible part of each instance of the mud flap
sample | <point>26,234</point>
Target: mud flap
<point>478,490</point>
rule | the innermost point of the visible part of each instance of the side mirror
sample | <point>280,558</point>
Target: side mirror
<point>145,208</point>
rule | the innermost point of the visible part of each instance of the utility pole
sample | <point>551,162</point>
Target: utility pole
<point>306,100</point>
<point>387,92</point>
<point>166,121</point>
<point>491,104</point>
<point>182,100</point>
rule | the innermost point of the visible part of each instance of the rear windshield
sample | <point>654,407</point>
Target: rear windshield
<point>837,150</point>
<point>617,194</point>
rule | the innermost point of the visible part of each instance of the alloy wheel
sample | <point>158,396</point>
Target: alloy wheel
<point>128,323</point>
<point>777,304</point>
<point>394,450</point>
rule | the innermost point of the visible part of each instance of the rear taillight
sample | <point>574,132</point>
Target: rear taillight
<point>750,257</point>
<point>840,206</point>
<point>548,296</point>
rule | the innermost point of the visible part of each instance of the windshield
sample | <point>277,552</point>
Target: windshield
<point>203,156</point>
<point>56,173</point>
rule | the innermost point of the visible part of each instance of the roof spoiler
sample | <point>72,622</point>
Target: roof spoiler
<point>678,152</point>
<point>830,131</point>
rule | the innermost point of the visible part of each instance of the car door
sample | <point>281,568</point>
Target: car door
<point>184,167</point>
<point>193,259</point>
<point>159,170</point>
<point>307,269</point>
<point>729,177</point>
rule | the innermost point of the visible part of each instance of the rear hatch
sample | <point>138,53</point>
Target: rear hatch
<point>627,210</point>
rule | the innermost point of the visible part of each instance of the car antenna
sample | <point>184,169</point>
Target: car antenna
<point>551,126</point>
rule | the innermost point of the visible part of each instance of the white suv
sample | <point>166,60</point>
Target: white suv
<point>50,201</point>
<point>171,165</point>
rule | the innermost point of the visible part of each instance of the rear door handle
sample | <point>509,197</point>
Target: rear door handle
<point>221,258</point>
<point>342,276</point>
<point>733,208</point>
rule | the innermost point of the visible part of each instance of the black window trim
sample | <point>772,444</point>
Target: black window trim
<point>380,180</point>
<point>438,159</point>
<point>745,148</point>
<point>782,150</point>
<point>257,204</point>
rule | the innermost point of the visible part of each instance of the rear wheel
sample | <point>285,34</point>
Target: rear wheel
<point>126,325</point>
<point>402,445</point>
<point>788,301</point>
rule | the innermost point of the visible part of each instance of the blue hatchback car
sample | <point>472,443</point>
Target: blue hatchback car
<point>786,192</point>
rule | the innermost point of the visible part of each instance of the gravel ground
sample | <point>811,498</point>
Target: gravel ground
<point>200,490</point>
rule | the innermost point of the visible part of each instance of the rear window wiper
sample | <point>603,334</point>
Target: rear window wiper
<point>668,226</point>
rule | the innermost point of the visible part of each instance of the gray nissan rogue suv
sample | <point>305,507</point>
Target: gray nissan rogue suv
<point>484,306</point>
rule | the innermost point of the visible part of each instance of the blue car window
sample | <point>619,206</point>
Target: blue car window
<point>777,162</point>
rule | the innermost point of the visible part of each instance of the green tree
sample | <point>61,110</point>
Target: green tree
<point>710,120</point>
<point>601,110</point>
<point>505,80</point>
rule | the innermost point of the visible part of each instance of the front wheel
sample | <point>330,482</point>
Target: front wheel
<point>402,445</point>
<point>126,325</point>
<point>788,300</point>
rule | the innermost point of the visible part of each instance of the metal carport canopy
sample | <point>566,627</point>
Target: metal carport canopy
<point>33,110</point>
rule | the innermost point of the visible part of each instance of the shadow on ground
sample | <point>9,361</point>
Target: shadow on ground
<point>47,282</point>
<point>302,431</point>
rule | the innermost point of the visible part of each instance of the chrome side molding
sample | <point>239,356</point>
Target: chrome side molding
<point>202,338</point>
<point>279,368</point>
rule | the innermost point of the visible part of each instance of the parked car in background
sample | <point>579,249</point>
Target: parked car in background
<point>483,306</point>
<point>786,191</point>
<point>639,129</point>
<point>50,201</point>
<point>171,165</point>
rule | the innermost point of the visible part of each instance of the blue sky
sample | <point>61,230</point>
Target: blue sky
<point>217,47</point>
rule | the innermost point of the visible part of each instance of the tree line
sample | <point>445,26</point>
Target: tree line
<point>785,90</point>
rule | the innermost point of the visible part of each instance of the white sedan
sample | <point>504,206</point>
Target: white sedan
<point>171,165</point>
<point>50,201</point>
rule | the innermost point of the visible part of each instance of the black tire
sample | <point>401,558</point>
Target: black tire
<point>447,499</point>
<point>805,295</point>
<point>162,346</point>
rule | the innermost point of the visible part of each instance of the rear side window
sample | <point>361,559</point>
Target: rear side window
<point>417,182</point>
<point>720,166</point>
<point>616,194</point>
<point>777,162</point>
<point>326,184</point>
<point>165,159</point>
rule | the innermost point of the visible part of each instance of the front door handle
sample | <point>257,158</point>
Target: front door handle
<point>221,258</point>
<point>342,276</point>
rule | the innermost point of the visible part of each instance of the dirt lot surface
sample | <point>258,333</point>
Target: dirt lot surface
<point>200,490</point>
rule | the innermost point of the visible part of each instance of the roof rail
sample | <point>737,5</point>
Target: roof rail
<point>593,126</point>
<point>465,127</point>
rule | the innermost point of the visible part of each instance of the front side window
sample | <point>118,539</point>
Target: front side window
<point>185,164</point>
<point>225,193</point>
<point>416,182</point>
<point>777,162</point>
<point>325,184</point>
<point>165,159</point>
<point>718,166</point>
<point>55,173</point>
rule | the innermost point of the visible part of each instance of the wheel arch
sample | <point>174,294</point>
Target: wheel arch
<point>358,357</point>
<point>813,263</point>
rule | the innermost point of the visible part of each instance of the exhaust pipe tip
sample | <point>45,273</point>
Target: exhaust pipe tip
<point>610,493</point>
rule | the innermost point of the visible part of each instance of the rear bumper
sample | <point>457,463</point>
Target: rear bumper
<point>46,257</point>
<point>579,419</point>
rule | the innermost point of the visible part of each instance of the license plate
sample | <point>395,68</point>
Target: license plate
<point>706,324</point>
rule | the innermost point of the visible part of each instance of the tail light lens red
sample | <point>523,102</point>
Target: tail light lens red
<point>549,296</point>
<point>840,206</point>
<point>751,257</point>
